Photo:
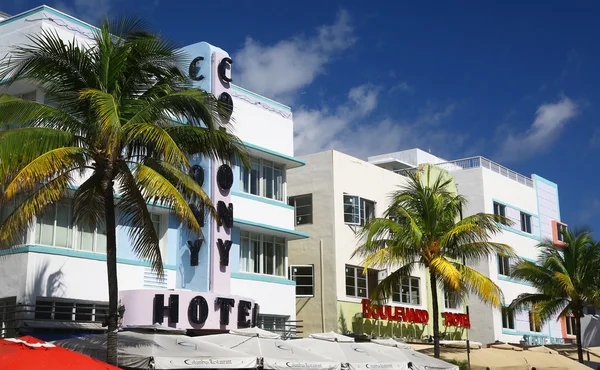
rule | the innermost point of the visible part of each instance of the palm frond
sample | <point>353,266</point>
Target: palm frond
<point>391,283</point>
<point>107,112</point>
<point>447,272</point>
<point>473,281</point>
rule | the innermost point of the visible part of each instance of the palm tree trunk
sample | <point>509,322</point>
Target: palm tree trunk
<point>435,314</point>
<point>578,336</point>
<point>111,267</point>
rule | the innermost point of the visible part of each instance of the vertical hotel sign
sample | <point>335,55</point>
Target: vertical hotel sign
<point>222,178</point>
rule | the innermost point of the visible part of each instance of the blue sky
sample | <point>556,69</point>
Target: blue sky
<point>516,82</point>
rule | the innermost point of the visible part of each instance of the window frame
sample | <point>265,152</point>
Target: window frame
<point>559,228</point>
<point>525,219</point>
<point>570,325</point>
<point>534,327</point>
<point>260,264</point>
<point>292,277</point>
<point>357,270</point>
<point>359,209</point>
<point>505,263</point>
<point>278,189</point>
<point>410,286</point>
<point>447,299</point>
<point>500,210</point>
<point>508,318</point>
<point>292,201</point>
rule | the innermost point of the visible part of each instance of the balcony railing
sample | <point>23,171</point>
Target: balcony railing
<point>475,162</point>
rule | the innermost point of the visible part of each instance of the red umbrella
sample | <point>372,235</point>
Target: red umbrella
<point>31,353</point>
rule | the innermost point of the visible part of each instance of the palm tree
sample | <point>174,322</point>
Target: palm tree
<point>566,278</point>
<point>423,227</point>
<point>111,124</point>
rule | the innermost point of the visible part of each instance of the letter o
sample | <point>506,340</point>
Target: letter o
<point>225,177</point>
<point>198,310</point>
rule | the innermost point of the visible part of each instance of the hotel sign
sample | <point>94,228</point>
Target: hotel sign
<point>456,319</point>
<point>394,313</point>
<point>184,309</point>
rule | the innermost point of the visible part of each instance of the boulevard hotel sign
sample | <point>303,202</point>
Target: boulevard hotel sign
<point>410,315</point>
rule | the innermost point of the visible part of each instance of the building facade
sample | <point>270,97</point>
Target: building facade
<point>333,195</point>
<point>532,204</point>
<point>55,282</point>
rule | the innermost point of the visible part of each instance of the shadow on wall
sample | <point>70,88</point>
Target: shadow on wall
<point>186,270</point>
<point>386,328</point>
<point>301,303</point>
<point>591,334</point>
<point>46,283</point>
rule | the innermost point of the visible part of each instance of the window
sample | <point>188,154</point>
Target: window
<point>358,284</point>
<point>272,323</point>
<point>571,325</point>
<point>263,178</point>
<point>451,300</point>
<point>351,209</point>
<point>367,210</point>
<point>534,322</point>
<point>303,275</point>
<point>508,319</point>
<point>560,229</point>
<point>357,210</point>
<point>526,223</point>
<point>55,228</point>
<point>70,310</point>
<point>8,307</point>
<point>156,223</point>
<point>503,265</point>
<point>409,291</point>
<point>262,254</point>
<point>499,209</point>
<point>303,209</point>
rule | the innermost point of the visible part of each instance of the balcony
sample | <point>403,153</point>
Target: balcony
<point>475,162</point>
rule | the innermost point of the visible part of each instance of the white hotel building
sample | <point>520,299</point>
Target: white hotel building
<point>55,282</point>
<point>532,203</point>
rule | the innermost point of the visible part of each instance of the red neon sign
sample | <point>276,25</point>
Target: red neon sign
<point>456,319</point>
<point>401,314</point>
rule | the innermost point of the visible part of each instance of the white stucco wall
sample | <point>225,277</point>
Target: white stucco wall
<point>263,213</point>
<point>273,298</point>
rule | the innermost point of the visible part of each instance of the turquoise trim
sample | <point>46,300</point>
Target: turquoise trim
<point>260,97</point>
<point>45,8</point>
<point>263,278</point>
<point>280,155</point>
<point>57,251</point>
<point>515,208</point>
<point>516,281</point>
<point>519,232</point>
<point>530,333</point>
<point>261,199</point>
<point>270,228</point>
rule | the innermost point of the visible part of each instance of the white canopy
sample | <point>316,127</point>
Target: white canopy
<point>391,343</point>
<point>418,360</point>
<point>343,349</point>
<point>161,351</point>
<point>275,352</point>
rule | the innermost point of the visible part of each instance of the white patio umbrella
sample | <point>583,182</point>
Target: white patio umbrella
<point>161,351</point>
<point>356,355</point>
<point>275,352</point>
<point>403,351</point>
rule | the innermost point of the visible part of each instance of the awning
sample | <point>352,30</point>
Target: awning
<point>288,161</point>
<point>268,229</point>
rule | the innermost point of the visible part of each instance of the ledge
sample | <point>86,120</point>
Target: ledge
<point>258,151</point>
<point>58,251</point>
<point>271,230</point>
<point>263,278</point>
<point>261,199</point>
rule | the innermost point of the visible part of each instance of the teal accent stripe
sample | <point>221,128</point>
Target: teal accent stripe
<point>515,208</point>
<point>45,8</point>
<point>516,281</point>
<point>260,97</point>
<point>57,251</point>
<point>519,232</point>
<point>521,333</point>
<point>263,278</point>
<point>280,155</point>
<point>270,228</point>
<point>261,199</point>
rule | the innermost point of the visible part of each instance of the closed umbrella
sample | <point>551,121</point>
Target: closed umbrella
<point>357,355</point>
<point>27,353</point>
<point>162,351</point>
<point>403,351</point>
<point>274,352</point>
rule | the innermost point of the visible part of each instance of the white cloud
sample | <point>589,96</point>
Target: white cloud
<point>550,119</point>
<point>351,128</point>
<point>403,87</point>
<point>280,70</point>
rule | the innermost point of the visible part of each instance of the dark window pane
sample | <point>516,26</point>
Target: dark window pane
<point>43,310</point>
<point>63,311</point>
